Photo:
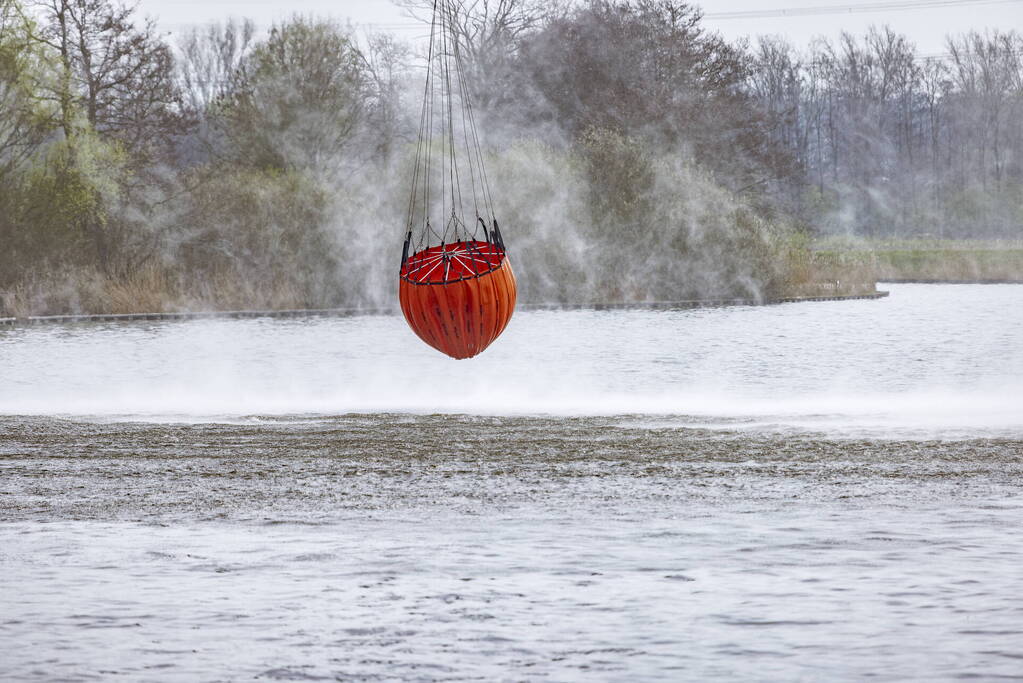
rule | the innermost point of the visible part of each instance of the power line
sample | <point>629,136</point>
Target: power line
<point>889,6</point>
<point>947,56</point>
<point>781,12</point>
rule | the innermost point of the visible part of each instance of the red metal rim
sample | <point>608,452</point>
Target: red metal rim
<point>453,262</point>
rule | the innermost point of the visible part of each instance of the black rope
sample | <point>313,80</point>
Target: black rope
<point>426,139</point>
<point>419,149</point>
<point>444,54</point>
<point>450,129</point>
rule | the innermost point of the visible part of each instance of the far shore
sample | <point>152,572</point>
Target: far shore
<point>354,312</point>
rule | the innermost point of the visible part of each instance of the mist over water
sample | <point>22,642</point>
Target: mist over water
<point>937,359</point>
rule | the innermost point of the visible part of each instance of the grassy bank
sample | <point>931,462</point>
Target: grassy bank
<point>931,260</point>
<point>88,291</point>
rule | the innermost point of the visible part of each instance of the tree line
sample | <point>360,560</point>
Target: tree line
<point>884,141</point>
<point>639,154</point>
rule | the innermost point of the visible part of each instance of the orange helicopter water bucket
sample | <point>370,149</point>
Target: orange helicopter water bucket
<point>459,297</point>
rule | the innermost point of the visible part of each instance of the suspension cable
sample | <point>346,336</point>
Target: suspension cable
<point>422,125</point>
<point>444,55</point>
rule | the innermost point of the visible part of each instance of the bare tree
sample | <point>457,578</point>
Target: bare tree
<point>777,82</point>
<point>118,75</point>
<point>648,69</point>
<point>387,68</point>
<point>300,99</point>
<point>986,72</point>
<point>488,34</point>
<point>211,60</point>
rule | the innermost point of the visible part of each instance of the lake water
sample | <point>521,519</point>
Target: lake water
<point>804,491</point>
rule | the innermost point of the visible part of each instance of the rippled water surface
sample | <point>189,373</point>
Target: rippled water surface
<point>806,491</point>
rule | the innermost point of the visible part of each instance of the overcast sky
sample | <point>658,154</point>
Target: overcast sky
<point>926,26</point>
